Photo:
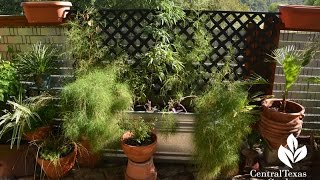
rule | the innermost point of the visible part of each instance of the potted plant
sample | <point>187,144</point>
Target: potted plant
<point>56,156</point>
<point>281,117</point>
<point>93,105</point>
<point>38,63</point>
<point>223,121</point>
<point>23,118</point>
<point>139,144</point>
<point>39,11</point>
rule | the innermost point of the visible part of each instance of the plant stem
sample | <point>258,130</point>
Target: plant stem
<point>284,102</point>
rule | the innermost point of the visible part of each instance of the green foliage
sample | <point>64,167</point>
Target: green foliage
<point>156,4</point>
<point>8,79</point>
<point>94,103</point>
<point>38,60</point>
<point>292,62</point>
<point>54,147</point>
<point>273,7</point>
<point>314,79</point>
<point>312,2</point>
<point>11,7</point>
<point>139,128</point>
<point>223,122</point>
<point>23,116</point>
<point>84,44</point>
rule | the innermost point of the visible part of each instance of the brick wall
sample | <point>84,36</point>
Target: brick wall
<point>21,38</point>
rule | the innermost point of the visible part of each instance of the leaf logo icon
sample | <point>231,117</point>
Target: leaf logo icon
<point>293,154</point>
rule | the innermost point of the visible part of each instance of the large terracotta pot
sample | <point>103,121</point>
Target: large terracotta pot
<point>276,126</point>
<point>38,134</point>
<point>85,156</point>
<point>139,171</point>
<point>64,165</point>
<point>298,17</point>
<point>138,153</point>
<point>46,11</point>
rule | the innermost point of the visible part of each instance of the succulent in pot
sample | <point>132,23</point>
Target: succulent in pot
<point>281,117</point>
<point>56,156</point>
<point>38,63</point>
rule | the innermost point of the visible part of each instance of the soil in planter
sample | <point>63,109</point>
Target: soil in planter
<point>276,106</point>
<point>146,142</point>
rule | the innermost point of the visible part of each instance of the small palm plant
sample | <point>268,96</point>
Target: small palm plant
<point>292,61</point>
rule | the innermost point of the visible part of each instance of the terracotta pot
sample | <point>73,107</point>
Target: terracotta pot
<point>298,17</point>
<point>276,126</point>
<point>138,153</point>
<point>141,171</point>
<point>85,156</point>
<point>63,166</point>
<point>38,134</point>
<point>46,11</point>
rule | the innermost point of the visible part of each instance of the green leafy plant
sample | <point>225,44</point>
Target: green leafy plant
<point>8,79</point>
<point>223,122</point>
<point>38,60</point>
<point>140,129</point>
<point>84,43</point>
<point>23,116</point>
<point>94,103</point>
<point>292,61</point>
<point>54,147</point>
<point>314,79</point>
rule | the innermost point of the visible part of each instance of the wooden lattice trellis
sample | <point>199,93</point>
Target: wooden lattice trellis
<point>252,35</point>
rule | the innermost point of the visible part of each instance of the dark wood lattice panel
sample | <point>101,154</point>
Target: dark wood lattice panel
<point>252,35</point>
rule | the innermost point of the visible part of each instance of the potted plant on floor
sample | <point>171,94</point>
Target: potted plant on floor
<point>223,121</point>
<point>93,105</point>
<point>56,155</point>
<point>23,119</point>
<point>37,63</point>
<point>139,144</point>
<point>39,11</point>
<point>281,117</point>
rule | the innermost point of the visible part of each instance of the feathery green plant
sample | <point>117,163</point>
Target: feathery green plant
<point>84,43</point>
<point>94,103</point>
<point>292,62</point>
<point>223,122</point>
<point>140,129</point>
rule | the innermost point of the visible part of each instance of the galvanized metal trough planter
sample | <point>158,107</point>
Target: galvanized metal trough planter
<point>176,146</point>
